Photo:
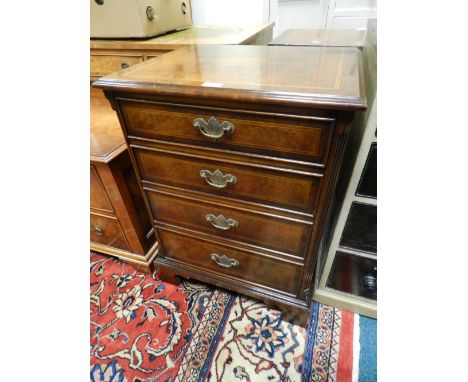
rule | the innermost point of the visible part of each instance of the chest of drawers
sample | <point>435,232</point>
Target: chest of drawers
<point>237,150</point>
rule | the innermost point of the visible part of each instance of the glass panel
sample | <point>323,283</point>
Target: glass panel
<point>368,184</point>
<point>354,274</point>
<point>360,232</point>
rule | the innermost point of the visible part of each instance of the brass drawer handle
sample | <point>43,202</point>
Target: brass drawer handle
<point>150,13</point>
<point>217,179</point>
<point>221,222</point>
<point>98,230</point>
<point>224,261</point>
<point>213,129</point>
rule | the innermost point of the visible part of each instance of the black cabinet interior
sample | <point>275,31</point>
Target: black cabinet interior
<point>360,231</point>
<point>367,186</point>
<point>354,274</point>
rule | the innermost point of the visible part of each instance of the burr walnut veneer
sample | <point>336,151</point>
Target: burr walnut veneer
<point>237,150</point>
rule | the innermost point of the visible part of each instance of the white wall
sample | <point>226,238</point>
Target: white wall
<point>286,13</point>
<point>229,12</point>
<point>300,14</point>
<point>350,13</point>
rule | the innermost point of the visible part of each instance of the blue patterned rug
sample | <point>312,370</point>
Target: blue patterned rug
<point>143,329</point>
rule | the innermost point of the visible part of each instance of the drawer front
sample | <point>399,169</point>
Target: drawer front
<point>244,182</point>
<point>224,222</point>
<point>106,230</point>
<point>354,274</point>
<point>98,196</point>
<point>286,137</point>
<point>233,263</point>
<point>101,65</point>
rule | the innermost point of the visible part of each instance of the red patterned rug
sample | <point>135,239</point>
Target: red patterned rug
<point>143,329</point>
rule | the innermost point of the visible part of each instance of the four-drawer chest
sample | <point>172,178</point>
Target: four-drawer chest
<point>237,151</point>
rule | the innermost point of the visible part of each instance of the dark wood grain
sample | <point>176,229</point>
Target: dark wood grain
<point>304,138</point>
<point>251,269</point>
<point>272,187</point>
<point>252,227</point>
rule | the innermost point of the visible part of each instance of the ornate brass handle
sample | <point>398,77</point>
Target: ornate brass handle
<point>217,179</point>
<point>224,261</point>
<point>213,129</point>
<point>98,230</point>
<point>221,222</point>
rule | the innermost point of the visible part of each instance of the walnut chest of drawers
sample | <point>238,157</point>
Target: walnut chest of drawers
<point>237,150</point>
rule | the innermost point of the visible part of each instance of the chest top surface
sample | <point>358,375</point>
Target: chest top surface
<point>306,76</point>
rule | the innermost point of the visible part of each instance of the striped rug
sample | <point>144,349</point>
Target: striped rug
<point>146,330</point>
<point>341,346</point>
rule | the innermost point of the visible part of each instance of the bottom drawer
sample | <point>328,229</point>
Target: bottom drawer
<point>233,263</point>
<point>354,274</point>
<point>106,230</point>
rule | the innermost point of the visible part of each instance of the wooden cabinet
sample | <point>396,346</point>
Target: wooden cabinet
<point>119,225</point>
<point>238,154</point>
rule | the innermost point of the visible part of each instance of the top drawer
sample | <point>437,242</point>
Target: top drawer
<point>103,64</point>
<point>302,138</point>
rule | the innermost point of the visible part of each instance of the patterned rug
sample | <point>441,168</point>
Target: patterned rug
<point>145,330</point>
